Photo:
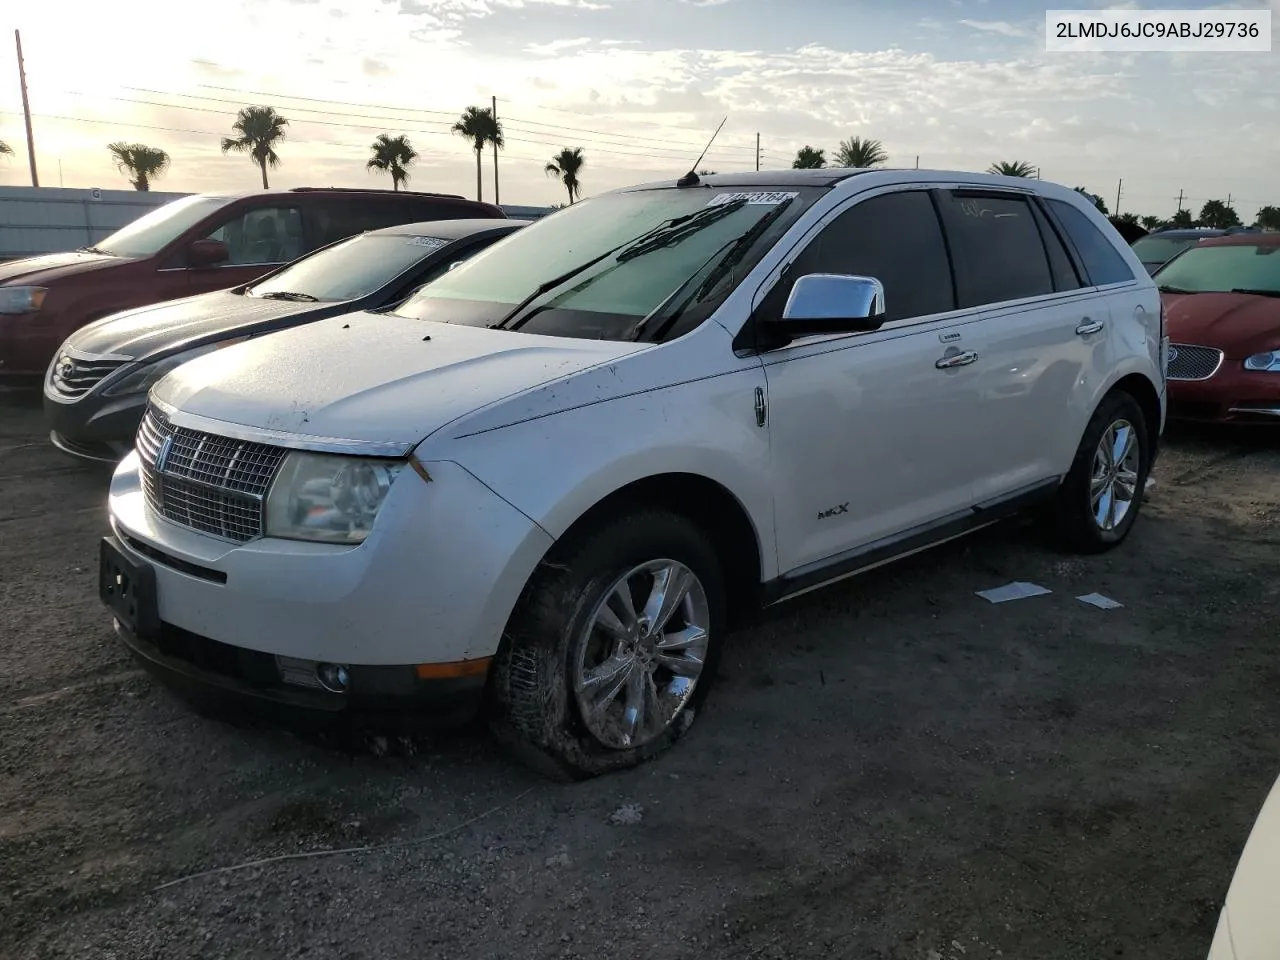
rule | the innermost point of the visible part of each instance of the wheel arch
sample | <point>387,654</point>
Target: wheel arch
<point>708,504</point>
<point>1140,387</point>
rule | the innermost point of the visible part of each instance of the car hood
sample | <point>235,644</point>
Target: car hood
<point>52,266</point>
<point>1249,913</point>
<point>373,377</point>
<point>1239,324</point>
<point>173,324</point>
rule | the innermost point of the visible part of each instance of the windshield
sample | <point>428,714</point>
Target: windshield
<point>351,269</point>
<point>153,231</point>
<point>1160,249</point>
<point>596,269</point>
<point>1241,267</point>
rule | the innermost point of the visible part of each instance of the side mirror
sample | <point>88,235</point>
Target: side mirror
<point>831,303</point>
<point>207,253</point>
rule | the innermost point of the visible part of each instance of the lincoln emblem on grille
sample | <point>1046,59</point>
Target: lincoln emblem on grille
<point>163,456</point>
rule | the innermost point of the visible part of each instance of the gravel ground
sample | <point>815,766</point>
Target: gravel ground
<point>889,768</point>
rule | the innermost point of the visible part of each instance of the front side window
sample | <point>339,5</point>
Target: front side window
<point>152,232</point>
<point>1102,262</point>
<point>895,238</point>
<point>262,235</point>
<point>352,269</point>
<point>996,244</point>
<point>639,264</point>
<point>1230,268</point>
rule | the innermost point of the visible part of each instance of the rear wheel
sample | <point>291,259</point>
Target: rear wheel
<point>1099,501</point>
<point>612,647</point>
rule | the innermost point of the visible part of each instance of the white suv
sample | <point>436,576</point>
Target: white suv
<point>545,483</point>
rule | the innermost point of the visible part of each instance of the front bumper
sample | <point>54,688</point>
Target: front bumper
<point>434,583</point>
<point>93,427</point>
<point>244,684</point>
<point>1232,395</point>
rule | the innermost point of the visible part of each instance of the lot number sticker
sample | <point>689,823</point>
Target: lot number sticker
<point>434,243</point>
<point>768,199</point>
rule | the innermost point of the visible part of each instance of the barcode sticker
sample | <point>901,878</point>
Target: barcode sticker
<point>767,198</point>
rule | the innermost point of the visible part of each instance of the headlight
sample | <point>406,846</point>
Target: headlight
<point>144,378</point>
<point>328,497</point>
<point>1269,361</point>
<point>21,299</point>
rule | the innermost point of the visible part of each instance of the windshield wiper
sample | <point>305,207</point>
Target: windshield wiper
<point>723,268</point>
<point>1256,293</point>
<point>99,250</point>
<point>288,295</point>
<point>1166,289</point>
<point>659,236</point>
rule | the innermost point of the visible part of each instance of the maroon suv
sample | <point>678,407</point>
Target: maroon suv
<point>193,245</point>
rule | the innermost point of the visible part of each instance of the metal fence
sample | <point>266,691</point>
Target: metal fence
<point>36,220</point>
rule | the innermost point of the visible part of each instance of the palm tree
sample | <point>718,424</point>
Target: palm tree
<point>1218,215</point>
<point>138,162</point>
<point>258,130</point>
<point>1094,198</point>
<point>1268,218</point>
<point>5,149</point>
<point>1152,222</point>
<point>1182,220</point>
<point>392,155</point>
<point>566,165</point>
<point>807,158</point>
<point>1012,168</point>
<point>856,152</point>
<point>479,126</point>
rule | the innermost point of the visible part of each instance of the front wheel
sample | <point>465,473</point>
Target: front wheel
<point>612,648</point>
<point>1099,500</point>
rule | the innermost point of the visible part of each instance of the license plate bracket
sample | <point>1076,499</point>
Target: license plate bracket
<point>128,589</point>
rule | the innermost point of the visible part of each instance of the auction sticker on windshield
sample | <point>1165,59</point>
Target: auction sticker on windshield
<point>770,199</point>
<point>435,243</point>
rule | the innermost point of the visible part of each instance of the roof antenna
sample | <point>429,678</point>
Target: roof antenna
<point>690,179</point>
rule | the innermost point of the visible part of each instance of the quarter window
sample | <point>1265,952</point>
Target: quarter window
<point>895,238</point>
<point>1101,260</point>
<point>997,248</point>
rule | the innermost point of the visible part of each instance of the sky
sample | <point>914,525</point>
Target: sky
<point>639,85</point>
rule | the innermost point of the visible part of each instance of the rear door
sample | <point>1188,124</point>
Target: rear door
<point>1038,332</point>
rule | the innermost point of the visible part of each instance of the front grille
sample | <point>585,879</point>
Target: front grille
<point>1188,362</point>
<point>76,376</point>
<point>210,483</point>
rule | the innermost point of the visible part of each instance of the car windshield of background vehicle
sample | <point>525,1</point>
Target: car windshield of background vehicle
<point>153,231</point>
<point>349,270</point>
<point>1245,267</point>
<point>647,244</point>
<point>1158,250</point>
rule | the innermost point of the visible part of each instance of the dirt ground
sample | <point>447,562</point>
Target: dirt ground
<point>891,768</point>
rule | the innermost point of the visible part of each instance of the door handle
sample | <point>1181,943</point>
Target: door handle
<point>958,360</point>
<point>1088,327</point>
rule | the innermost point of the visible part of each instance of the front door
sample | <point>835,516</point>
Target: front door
<point>873,435</point>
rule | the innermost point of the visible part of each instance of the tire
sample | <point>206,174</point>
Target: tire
<point>561,629</point>
<point>1079,506</point>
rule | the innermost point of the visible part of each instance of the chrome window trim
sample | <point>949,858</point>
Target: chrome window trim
<point>281,438</point>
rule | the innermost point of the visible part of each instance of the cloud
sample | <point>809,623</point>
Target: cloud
<point>556,46</point>
<point>375,68</point>
<point>1002,27</point>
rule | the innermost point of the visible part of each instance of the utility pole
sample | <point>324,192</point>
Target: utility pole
<point>1118,186</point>
<point>26,112</point>
<point>495,151</point>
<point>917,161</point>
<point>1179,201</point>
<point>757,153</point>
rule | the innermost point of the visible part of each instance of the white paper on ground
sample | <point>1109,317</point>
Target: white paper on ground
<point>1013,591</point>
<point>1099,601</point>
<point>1149,485</point>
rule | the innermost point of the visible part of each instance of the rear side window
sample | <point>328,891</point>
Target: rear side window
<point>997,248</point>
<point>1065,276</point>
<point>1101,260</point>
<point>895,238</point>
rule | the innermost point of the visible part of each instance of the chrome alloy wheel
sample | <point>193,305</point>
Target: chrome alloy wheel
<point>1113,486</point>
<point>641,652</point>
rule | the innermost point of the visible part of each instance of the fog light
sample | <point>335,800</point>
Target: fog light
<point>333,677</point>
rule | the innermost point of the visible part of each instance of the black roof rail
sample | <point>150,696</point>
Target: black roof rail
<point>408,193</point>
